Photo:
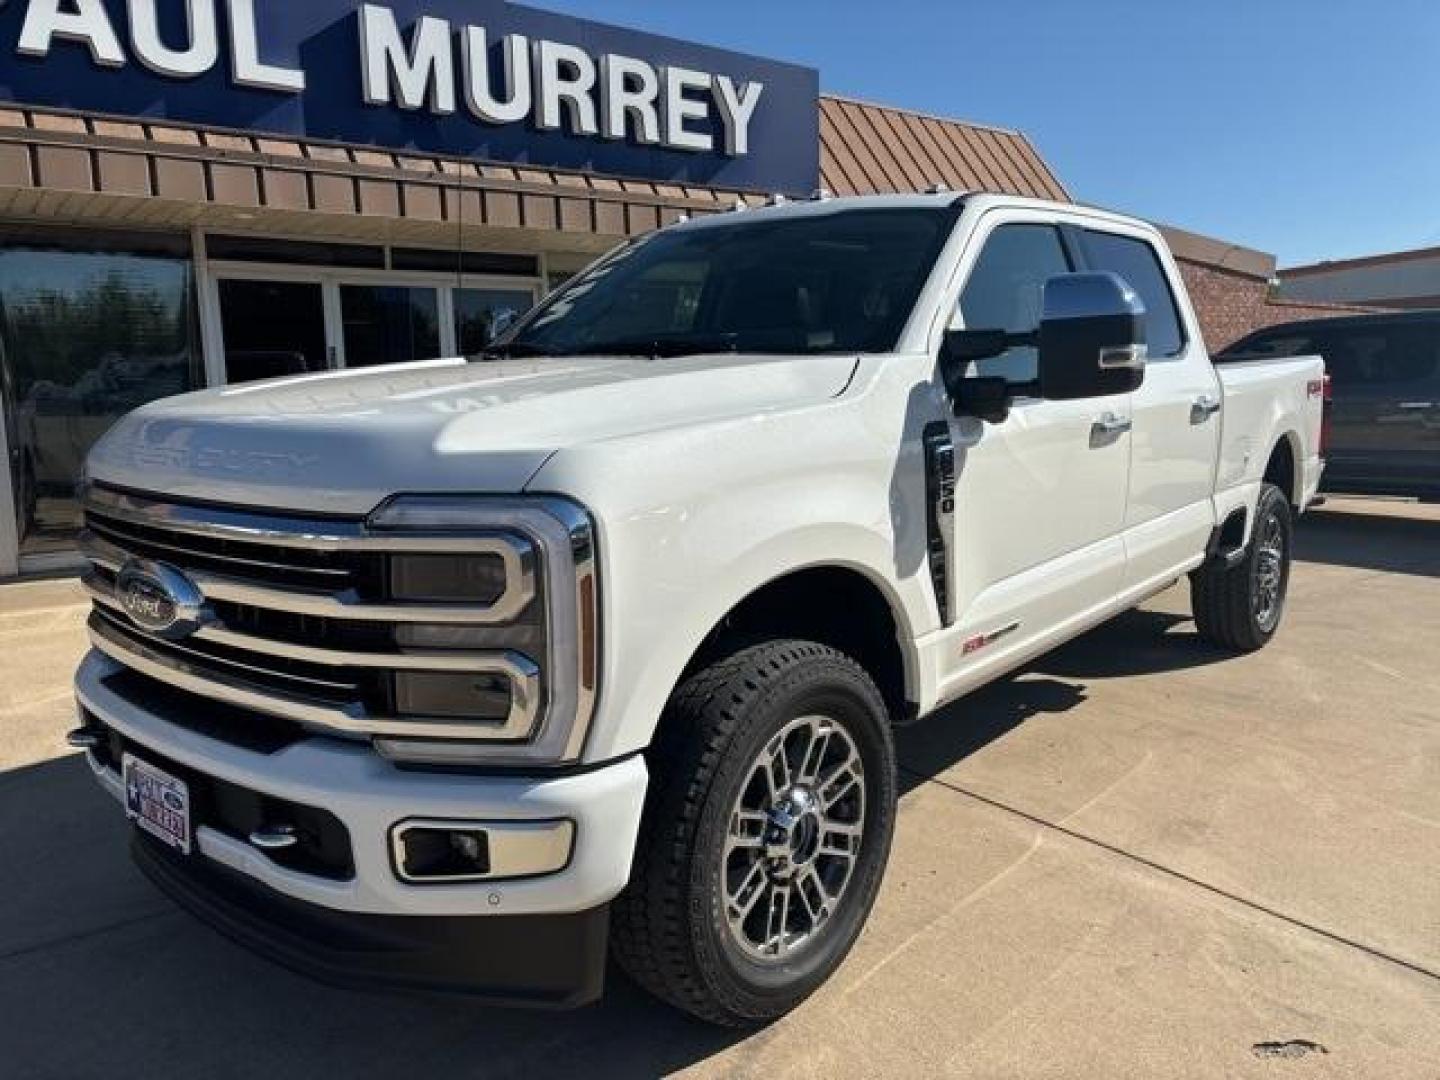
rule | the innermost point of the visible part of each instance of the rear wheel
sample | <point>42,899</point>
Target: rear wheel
<point>766,833</point>
<point>1241,607</point>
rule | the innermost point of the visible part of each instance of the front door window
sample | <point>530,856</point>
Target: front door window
<point>1006,290</point>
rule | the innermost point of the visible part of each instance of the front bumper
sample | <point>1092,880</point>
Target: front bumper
<point>253,897</point>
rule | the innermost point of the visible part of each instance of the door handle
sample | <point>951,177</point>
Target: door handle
<point>1110,424</point>
<point>1204,407</point>
<point>1416,405</point>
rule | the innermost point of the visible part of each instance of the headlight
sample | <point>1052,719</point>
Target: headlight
<point>448,578</point>
<point>531,583</point>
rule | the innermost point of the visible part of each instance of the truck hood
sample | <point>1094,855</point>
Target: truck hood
<point>342,442</point>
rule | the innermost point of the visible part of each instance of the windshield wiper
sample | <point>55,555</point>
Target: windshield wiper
<point>654,348</point>
<point>662,347</point>
<point>517,350</point>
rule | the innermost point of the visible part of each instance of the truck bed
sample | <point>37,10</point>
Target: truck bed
<point>1264,400</point>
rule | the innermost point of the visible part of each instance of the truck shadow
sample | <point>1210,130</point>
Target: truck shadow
<point>931,746</point>
<point>1340,535</point>
<point>100,975</point>
<point>1144,641</point>
<point>1140,642</point>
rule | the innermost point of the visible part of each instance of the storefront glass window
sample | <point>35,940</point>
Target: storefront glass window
<point>90,328</point>
<point>482,315</point>
<point>389,324</point>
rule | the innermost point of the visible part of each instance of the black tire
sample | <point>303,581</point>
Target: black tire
<point>671,928</point>
<point>1233,606</point>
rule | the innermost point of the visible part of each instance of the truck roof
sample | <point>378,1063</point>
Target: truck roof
<point>818,206</point>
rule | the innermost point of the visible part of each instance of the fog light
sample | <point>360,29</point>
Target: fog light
<point>438,854</point>
<point>429,851</point>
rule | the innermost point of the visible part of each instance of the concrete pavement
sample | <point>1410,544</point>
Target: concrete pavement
<point>1140,858</point>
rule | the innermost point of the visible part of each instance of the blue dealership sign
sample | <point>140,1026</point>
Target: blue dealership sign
<point>474,78</point>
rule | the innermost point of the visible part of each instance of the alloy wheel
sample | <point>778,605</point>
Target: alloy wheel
<point>1269,571</point>
<point>794,839</point>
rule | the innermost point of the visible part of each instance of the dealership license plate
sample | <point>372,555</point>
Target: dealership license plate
<point>157,802</point>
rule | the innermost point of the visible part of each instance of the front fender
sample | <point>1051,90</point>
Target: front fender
<point>826,547</point>
<point>680,549</point>
<point>658,614</point>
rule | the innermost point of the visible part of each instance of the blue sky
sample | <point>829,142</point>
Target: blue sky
<point>1306,129</point>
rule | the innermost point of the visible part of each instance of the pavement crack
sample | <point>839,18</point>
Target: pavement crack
<point>960,903</point>
<point>1177,875</point>
<point>84,935</point>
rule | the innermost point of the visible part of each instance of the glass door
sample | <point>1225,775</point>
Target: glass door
<point>272,328</point>
<point>389,324</point>
<point>275,321</point>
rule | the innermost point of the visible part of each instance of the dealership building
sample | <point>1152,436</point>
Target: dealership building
<point>205,192</point>
<point>1397,280</point>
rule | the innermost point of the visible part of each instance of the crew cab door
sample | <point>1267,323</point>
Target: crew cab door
<point>1177,415</point>
<point>1040,497</point>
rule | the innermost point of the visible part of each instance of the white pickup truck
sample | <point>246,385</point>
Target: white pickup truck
<point>457,674</point>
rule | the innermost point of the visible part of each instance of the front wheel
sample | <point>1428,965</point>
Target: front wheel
<point>1240,607</point>
<point>766,832</point>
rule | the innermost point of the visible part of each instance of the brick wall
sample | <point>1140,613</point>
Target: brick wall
<point>1231,305</point>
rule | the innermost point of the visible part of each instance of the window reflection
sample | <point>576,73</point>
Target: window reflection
<point>388,324</point>
<point>87,336</point>
<point>482,315</point>
<point>272,329</point>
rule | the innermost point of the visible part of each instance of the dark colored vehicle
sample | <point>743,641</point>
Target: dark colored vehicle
<point>1384,428</point>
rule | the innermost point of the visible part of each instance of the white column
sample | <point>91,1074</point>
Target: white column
<point>207,293</point>
<point>445,312</point>
<point>334,322</point>
<point>9,527</point>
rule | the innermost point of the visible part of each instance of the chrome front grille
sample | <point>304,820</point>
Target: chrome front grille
<point>262,563</point>
<point>298,622</point>
<point>256,579</point>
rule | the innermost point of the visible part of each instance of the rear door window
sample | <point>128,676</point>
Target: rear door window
<point>1137,262</point>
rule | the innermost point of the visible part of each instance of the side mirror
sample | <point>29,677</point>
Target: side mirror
<point>1092,337</point>
<point>986,397</point>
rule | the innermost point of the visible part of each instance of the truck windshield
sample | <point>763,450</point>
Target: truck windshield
<point>840,282</point>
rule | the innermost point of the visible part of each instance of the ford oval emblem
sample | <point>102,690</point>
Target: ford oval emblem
<point>160,599</point>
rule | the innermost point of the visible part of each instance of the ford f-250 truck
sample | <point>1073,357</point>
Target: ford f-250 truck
<point>454,674</point>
